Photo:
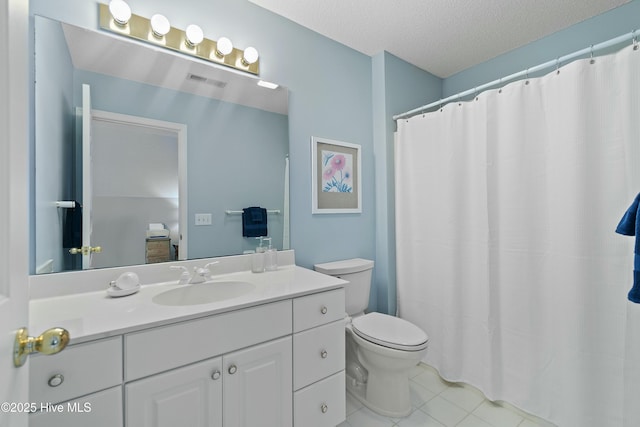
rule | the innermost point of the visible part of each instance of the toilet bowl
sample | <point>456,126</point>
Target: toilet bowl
<point>381,349</point>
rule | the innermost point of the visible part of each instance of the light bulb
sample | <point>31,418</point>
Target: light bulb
<point>224,47</point>
<point>250,56</point>
<point>120,11</point>
<point>194,35</point>
<point>160,25</point>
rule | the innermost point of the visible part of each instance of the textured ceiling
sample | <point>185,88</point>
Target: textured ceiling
<point>439,36</point>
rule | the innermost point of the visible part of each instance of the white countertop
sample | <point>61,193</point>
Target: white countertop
<point>92,315</point>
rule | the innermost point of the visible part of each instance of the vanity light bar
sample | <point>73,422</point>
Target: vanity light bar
<point>139,28</point>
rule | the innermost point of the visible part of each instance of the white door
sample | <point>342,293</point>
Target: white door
<point>14,251</point>
<point>188,396</point>
<point>258,386</point>
<point>87,177</point>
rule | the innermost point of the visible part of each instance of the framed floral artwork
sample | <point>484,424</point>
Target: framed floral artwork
<point>335,175</point>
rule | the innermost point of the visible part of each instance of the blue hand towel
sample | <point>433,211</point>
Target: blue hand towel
<point>254,222</point>
<point>630,226</point>
<point>72,227</point>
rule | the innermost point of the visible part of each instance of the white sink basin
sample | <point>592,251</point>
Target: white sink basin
<point>203,293</point>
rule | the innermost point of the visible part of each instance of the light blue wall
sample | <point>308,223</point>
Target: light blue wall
<point>330,96</point>
<point>598,29</point>
<point>397,87</point>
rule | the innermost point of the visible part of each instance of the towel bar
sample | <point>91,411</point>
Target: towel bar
<point>269,211</point>
<point>66,204</point>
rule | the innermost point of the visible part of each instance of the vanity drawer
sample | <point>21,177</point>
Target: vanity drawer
<point>318,353</point>
<point>82,369</point>
<point>322,404</point>
<point>318,309</point>
<point>102,409</point>
<point>163,348</point>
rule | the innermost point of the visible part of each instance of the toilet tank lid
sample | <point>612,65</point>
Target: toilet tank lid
<point>354,265</point>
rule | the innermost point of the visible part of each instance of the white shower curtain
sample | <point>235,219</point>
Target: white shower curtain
<point>506,208</point>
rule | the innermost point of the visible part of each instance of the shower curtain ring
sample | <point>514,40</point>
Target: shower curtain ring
<point>634,41</point>
<point>558,65</point>
<point>592,61</point>
<point>527,77</point>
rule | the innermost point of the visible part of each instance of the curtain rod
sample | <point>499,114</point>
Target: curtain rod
<point>524,73</point>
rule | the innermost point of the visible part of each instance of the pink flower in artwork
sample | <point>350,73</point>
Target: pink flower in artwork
<point>338,162</point>
<point>328,173</point>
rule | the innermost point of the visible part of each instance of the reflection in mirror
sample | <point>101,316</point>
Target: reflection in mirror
<point>235,148</point>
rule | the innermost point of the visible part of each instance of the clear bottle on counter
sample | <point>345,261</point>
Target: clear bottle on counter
<point>257,259</point>
<point>270,257</point>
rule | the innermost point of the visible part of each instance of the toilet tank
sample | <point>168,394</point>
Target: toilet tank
<point>357,272</point>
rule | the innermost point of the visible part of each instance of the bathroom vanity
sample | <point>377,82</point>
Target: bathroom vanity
<point>273,356</point>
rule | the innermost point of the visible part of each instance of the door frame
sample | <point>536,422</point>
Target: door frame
<point>14,212</point>
<point>180,131</point>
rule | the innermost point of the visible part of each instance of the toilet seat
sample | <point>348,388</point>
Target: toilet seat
<point>390,331</point>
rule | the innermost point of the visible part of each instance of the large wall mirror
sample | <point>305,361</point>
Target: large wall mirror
<point>140,148</point>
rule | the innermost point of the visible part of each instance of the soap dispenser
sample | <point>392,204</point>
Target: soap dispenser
<point>270,257</point>
<point>257,259</point>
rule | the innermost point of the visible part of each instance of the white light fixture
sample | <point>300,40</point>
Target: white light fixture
<point>120,11</point>
<point>250,56</point>
<point>194,35</point>
<point>268,85</point>
<point>224,47</point>
<point>160,25</point>
<point>116,16</point>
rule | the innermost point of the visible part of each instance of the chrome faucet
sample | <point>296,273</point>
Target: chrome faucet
<point>199,275</point>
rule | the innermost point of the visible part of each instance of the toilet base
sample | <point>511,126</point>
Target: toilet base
<point>359,391</point>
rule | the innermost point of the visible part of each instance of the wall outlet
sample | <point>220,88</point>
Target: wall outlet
<point>203,219</point>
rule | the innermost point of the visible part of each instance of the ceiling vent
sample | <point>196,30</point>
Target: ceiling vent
<point>201,79</point>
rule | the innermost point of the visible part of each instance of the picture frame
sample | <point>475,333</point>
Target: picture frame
<point>336,168</point>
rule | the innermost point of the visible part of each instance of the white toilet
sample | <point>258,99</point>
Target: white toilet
<point>381,349</point>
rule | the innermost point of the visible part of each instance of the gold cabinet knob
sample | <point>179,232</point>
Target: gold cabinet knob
<point>51,341</point>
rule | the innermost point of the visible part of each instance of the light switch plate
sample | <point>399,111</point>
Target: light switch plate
<point>203,219</point>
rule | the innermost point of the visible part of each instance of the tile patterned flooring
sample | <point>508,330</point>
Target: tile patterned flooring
<point>437,403</point>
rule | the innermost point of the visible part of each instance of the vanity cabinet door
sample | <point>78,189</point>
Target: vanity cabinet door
<point>257,385</point>
<point>189,396</point>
